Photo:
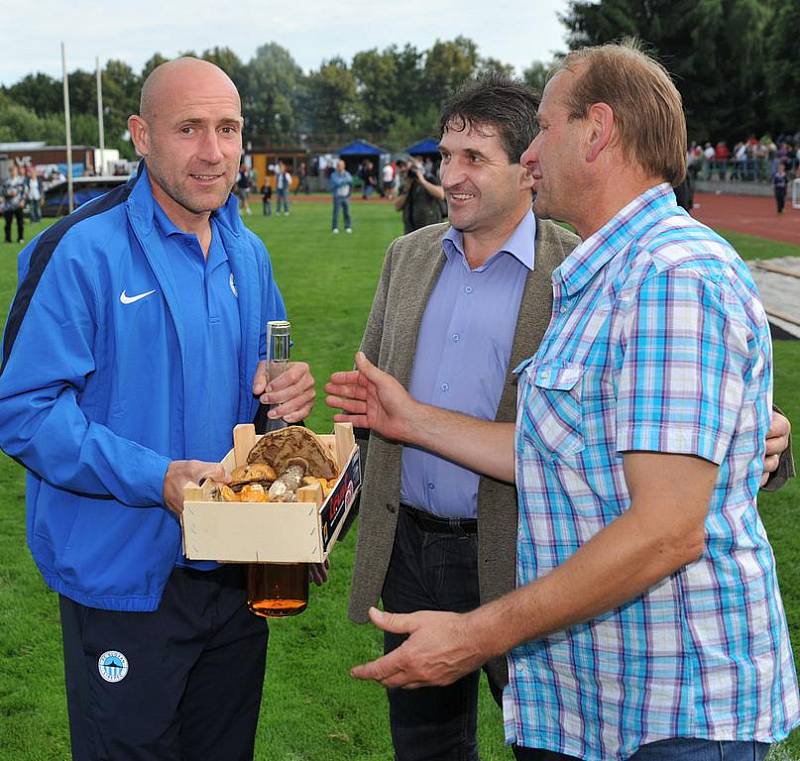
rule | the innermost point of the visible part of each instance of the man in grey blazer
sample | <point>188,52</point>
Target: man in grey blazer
<point>433,535</point>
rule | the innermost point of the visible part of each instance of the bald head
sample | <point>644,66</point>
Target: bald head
<point>173,78</point>
<point>189,133</point>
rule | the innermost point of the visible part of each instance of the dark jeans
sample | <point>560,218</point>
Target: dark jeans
<point>195,672</point>
<point>780,199</point>
<point>8,215</point>
<point>344,205</point>
<point>433,571</point>
<point>674,749</point>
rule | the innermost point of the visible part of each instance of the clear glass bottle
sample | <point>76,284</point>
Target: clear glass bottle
<point>275,590</point>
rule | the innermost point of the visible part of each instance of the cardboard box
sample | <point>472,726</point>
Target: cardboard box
<point>272,532</point>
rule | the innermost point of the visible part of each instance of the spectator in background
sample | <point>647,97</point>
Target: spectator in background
<point>341,184</point>
<point>302,177</point>
<point>367,174</point>
<point>721,156</point>
<point>388,180</point>
<point>266,199</point>
<point>14,197</point>
<point>282,182</point>
<point>780,181</point>
<point>243,189</point>
<point>708,160</point>
<point>421,199</point>
<point>34,194</point>
<point>739,161</point>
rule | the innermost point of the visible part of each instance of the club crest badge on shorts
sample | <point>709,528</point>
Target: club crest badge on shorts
<point>113,666</point>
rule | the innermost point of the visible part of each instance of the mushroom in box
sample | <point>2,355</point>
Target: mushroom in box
<point>288,497</point>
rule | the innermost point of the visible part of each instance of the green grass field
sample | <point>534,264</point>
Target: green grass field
<point>312,710</point>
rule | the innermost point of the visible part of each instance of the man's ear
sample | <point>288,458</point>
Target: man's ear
<point>140,134</point>
<point>601,129</point>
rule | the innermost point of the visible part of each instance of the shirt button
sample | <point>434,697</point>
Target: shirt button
<point>468,289</point>
<point>431,486</point>
<point>562,310</point>
<point>456,337</point>
<point>445,387</point>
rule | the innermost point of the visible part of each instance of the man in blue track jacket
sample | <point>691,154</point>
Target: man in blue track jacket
<point>134,343</point>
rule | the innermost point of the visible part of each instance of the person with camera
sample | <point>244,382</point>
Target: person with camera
<point>421,199</point>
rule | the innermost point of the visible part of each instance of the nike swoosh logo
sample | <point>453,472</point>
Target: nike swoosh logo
<point>125,299</point>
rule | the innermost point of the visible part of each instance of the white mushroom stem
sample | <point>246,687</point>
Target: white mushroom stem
<point>284,488</point>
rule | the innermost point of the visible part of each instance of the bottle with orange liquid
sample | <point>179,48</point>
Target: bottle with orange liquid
<point>276,590</point>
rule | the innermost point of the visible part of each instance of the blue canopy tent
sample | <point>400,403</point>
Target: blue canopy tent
<point>358,151</point>
<point>361,149</point>
<point>427,147</point>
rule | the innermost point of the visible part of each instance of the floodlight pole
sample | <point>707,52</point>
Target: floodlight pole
<point>69,129</point>
<point>100,125</point>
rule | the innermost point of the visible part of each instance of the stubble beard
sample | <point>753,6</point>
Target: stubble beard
<point>194,203</point>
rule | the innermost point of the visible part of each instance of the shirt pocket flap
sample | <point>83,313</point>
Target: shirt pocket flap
<point>559,376</point>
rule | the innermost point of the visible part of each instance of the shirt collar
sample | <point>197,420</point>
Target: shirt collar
<point>521,244</point>
<point>216,251</point>
<point>615,236</point>
<point>164,223</point>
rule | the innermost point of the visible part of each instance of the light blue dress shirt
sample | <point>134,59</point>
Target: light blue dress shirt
<point>462,357</point>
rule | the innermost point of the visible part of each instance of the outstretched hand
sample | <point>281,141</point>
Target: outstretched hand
<point>438,651</point>
<point>371,398</point>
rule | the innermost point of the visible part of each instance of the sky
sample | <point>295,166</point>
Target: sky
<point>514,31</point>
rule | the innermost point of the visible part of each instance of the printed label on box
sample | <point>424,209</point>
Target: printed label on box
<point>341,500</point>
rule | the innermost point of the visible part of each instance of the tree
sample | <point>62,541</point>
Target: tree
<point>447,66</point>
<point>273,85</point>
<point>390,83</point>
<point>82,92</point>
<point>331,105</point>
<point>39,92</point>
<point>151,63</point>
<point>375,73</point>
<point>409,129</point>
<point>782,70</point>
<point>229,62</point>
<point>713,49</point>
<point>121,88</point>
<point>494,66</point>
<point>535,76</point>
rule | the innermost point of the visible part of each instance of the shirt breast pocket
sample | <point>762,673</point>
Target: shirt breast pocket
<point>553,414</point>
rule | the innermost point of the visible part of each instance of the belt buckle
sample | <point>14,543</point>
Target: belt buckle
<point>455,527</point>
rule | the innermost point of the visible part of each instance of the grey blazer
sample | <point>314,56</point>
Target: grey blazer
<point>410,271</point>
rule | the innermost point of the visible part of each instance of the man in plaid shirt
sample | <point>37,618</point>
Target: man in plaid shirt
<point>648,622</point>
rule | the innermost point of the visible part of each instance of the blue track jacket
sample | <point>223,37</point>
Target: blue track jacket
<point>92,392</point>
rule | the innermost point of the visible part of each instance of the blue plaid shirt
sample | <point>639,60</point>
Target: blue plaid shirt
<point>658,342</point>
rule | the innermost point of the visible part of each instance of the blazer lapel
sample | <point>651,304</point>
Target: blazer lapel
<point>415,304</point>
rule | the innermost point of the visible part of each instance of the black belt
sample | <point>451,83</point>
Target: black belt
<point>436,525</point>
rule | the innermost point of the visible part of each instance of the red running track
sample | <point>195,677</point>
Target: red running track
<point>753,215</point>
